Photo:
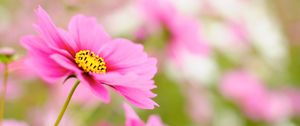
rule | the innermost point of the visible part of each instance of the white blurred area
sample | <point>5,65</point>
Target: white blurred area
<point>124,20</point>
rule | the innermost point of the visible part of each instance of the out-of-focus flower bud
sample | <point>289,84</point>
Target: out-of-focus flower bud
<point>6,54</point>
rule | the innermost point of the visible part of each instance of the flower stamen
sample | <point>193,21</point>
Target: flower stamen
<point>90,62</point>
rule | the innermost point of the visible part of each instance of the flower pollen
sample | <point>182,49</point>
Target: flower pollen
<point>90,62</point>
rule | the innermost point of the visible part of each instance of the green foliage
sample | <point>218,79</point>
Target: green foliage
<point>293,70</point>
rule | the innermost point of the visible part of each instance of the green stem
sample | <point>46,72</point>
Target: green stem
<point>3,92</point>
<point>66,103</point>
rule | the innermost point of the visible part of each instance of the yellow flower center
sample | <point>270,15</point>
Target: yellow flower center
<point>90,62</point>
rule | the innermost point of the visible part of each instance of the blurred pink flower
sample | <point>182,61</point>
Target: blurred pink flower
<point>254,99</point>
<point>132,119</point>
<point>239,32</point>
<point>279,107</point>
<point>97,60</point>
<point>184,32</point>
<point>294,98</point>
<point>271,108</point>
<point>185,35</point>
<point>7,51</point>
<point>20,70</point>
<point>10,122</point>
<point>239,85</point>
<point>158,12</point>
<point>199,105</point>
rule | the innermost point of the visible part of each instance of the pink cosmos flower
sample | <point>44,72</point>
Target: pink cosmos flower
<point>97,60</point>
<point>132,119</point>
<point>184,32</point>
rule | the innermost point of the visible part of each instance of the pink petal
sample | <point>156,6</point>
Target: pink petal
<point>132,119</point>
<point>49,75</point>
<point>35,45</point>
<point>137,98</point>
<point>114,79</point>
<point>66,63</point>
<point>135,89</point>
<point>154,120</point>
<point>50,33</point>
<point>124,56</point>
<point>96,87</point>
<point>39,59</point>
<point>21,70</point>
<point>87,33</point>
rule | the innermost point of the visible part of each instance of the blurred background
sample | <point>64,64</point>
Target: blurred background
<point>221,62</point>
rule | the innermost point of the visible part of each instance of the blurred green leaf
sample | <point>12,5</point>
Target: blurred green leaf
<point>293,70</point>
